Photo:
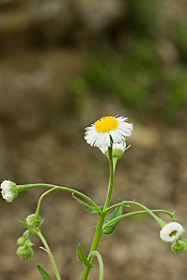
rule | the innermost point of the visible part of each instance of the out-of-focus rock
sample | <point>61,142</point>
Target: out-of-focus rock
<point>167,51</point>
<point>31,86</point>
<point>3,156</point>
<point>98,15</point>
<point>39,22</point>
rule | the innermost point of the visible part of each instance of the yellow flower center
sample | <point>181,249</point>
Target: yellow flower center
<point>174,232</point>
<point>106,124</point>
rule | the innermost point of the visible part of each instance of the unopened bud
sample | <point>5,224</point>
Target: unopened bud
<point>24,238</point>
<point>25,252</point>
<point>34,220</point>
<point>9,190</point>
<point>179,245</point>
<point>117,150</point>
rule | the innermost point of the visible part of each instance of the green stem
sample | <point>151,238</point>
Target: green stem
<point>132,214</point>
<point>50,255</point>
<point>37,212</point>
<point>171,214</point>
<point>98,232</point>
<point>28,186</point>
<point>159,221</point>
<point>100,261</point>
<point>111,180</point>
<point>94,245</point>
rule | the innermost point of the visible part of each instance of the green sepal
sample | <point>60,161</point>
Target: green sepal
<point>82,257</point>
<point>88,207</point>
<point>43,273</point>
<point>31,229</point>
<point>116,213</point>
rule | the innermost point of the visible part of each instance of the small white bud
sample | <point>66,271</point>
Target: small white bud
<point>117,150</point>
<point>9,190</point>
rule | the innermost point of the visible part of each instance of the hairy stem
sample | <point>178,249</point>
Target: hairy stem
<point>98,232</point>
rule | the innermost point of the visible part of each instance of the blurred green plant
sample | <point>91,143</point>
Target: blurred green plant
<point>140,79</point>
<point>180,37</point>
<point>176,93</point>
<point>142,16</point>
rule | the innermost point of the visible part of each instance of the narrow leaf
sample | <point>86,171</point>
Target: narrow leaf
<point>88,207</point>
<point>43,273</point>
<point>116,213</point>
<point>31,229</point>
<point>82,257</point>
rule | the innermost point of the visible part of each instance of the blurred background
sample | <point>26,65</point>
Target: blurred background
<point>64,64</point>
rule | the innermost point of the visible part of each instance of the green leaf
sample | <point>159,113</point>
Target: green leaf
<point>116,213</point>
<point>82,257</point>
<point>31,229</point>
<point>88,207</point>
<point>43,273</point>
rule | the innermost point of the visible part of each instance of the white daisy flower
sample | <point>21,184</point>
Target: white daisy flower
<point>8,190</point>
<point>99,133</point>
<point>171,232</point>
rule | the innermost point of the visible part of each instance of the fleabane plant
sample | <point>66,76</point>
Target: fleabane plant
<point>109,135</point>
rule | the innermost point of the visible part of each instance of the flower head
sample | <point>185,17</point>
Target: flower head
<point>100,133</point>
<point>9,190</point>
<point>171,232</point>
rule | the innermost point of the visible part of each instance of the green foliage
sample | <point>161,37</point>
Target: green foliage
<point>43,273</point>
<point>142,15</point>
<point>82,257</point>
<point>140,80</point>
<point>116,213</point>
<point>175,97</point>
<point>180,37</point>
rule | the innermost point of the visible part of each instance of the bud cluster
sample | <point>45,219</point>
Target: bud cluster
<point>25,250</point>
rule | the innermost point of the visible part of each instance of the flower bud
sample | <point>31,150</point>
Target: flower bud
<point>34,220</point>
<point>117,150</point>
<point>180,245</point>
<point>24,238</point>
<point>9,190</point>
<point>25,252</point>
